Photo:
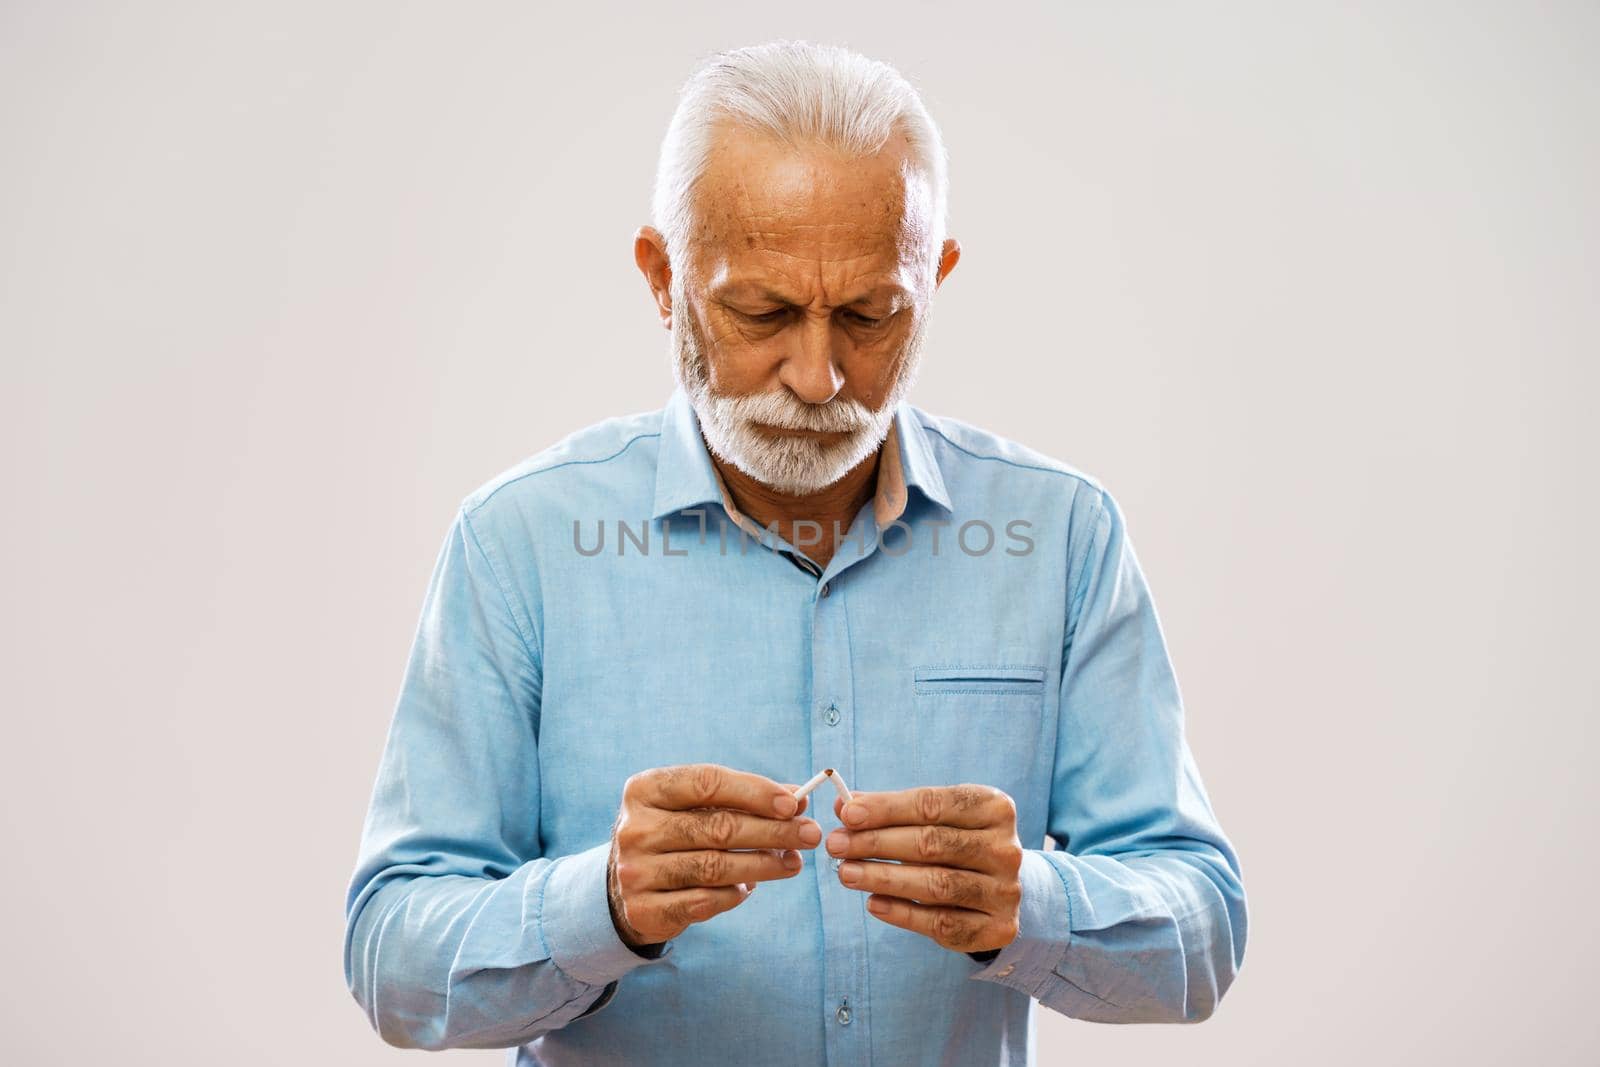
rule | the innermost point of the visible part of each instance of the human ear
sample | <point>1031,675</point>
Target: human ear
<point>650,253</point>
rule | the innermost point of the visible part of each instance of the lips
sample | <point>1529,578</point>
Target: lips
<point>789,432</point>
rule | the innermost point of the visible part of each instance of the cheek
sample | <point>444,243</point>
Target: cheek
<point>873,365</point>
<point>739,363</point>
<point>720,333</point>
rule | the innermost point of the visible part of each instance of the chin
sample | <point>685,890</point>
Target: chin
<point>796,465</point>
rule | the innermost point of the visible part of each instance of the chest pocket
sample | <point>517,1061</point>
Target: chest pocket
<point>981,724</point>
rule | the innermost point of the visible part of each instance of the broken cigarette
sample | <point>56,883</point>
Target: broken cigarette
<point>838,783</point>
<point>817,779</point>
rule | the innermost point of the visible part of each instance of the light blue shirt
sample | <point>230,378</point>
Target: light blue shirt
<point>597,611</point>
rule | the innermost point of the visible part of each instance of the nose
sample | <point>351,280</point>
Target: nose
<point>808,368</point>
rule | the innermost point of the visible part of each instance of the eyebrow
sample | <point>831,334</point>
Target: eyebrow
<point>754,288</point>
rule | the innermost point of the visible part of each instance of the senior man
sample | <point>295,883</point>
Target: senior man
<point>635,642</point>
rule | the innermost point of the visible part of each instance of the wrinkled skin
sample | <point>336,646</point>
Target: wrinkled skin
<point>808,272</point>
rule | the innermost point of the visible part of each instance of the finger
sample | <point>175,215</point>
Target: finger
<point>710,785</point>
<point>686,870</point>
<point>928,884</point>
<point>675,909</point>
<point>805,801</point>
<point>947,846</point>
<point>971,806</point>
<point>719,828</point>
<point>954,928</point>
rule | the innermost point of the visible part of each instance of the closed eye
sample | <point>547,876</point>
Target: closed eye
<point>769,317</point>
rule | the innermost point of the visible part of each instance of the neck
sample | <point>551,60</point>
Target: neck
<point>828,506</point>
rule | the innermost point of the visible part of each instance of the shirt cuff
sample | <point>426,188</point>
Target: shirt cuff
<point>575,920</point>
<point>1044,924</point>
<point>602,1000</point>
<point>650,952</point>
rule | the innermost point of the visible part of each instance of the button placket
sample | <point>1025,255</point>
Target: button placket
<point>844,922</point>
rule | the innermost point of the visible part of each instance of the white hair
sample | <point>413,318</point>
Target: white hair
<point>800,93</point>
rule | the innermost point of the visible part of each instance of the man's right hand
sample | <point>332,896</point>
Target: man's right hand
<point>672,848</point>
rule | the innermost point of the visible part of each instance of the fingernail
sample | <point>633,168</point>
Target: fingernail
<point>838,842</point>
<point>810,834</point>
<point>854,814</point>
<point>792,860</point>
<point>785,805</point>
<point>877,905</point>
<point>850,873</point>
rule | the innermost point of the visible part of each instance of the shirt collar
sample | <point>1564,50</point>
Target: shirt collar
<point>685,475</point>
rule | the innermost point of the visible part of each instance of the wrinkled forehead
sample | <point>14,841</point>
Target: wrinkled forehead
<point>764,203</point>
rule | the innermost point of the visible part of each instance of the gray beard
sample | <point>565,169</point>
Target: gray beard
<point>797,465</point>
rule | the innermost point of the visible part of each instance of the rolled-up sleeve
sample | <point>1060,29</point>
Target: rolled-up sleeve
<point>1140,915</point>
<point>458,932</point>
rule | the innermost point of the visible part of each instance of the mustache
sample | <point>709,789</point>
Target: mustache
<point>783,409</point>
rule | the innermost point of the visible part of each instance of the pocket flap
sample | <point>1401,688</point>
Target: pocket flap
<point>979,679</point>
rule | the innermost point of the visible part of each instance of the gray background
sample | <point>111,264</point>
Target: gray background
<point>1312,287</point>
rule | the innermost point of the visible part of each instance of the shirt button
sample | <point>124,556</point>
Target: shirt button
<point>834,863</point>
<point>824,588</point>
<point>843,1014</point>
<point>831,716</point>
<point>1005,971</point>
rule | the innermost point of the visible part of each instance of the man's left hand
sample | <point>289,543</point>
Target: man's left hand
<point>956,879</point>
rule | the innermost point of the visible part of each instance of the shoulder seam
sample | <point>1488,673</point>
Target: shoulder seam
<point>537,660</point>
<point>1101,515</point>
<point>564,463</point>
<point>1083,479</point>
